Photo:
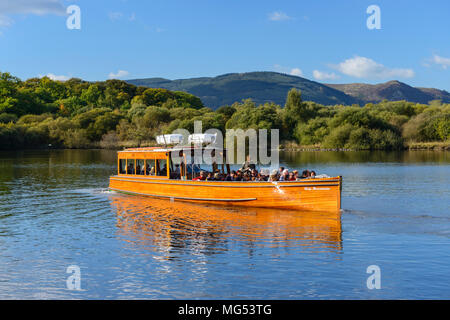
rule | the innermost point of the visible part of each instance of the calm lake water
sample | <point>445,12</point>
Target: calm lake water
<point>55,211</point>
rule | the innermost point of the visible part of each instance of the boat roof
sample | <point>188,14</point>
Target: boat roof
<point>168,149</point>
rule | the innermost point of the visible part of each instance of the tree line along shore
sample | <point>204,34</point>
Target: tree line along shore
<point>112,114</point>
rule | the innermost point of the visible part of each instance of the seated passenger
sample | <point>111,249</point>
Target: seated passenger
<point>312,175</point>
<point>273,175</point>
<point>305,174</point>
<point>248,165</point>
<point>201,177</point>
<point>264,174</point>
<point>231,176</point>
<point>291,177</point>
<point>163,171</point>
<point>284,175</point>
<point>280,172</point>
<point>130,169</point>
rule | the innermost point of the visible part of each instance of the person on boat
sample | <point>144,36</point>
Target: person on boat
<point>231,176</point>
<point>130,169</point>
<point>312,175</point>
<point>273,175</point>
<point>209,176</point>
<point>258,177</point>
<point>138,169</point>
<point>164,170</point>
<point>291,176</point>
<point>284,175</point>
<point>147,169</point>
<point>264,174</point>
<point>228,177</point>
<point>239,176</point>
<point>201,177</point>
<point>176,174</point>
<point>248,165</point>
<point>296,177</point>
<point>305,174</point>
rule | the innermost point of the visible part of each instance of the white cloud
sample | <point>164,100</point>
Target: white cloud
<point>278,16</point>
<point>55,77</point>
<point>319,75</point>
<point>292,71</point>
<point>118,75</point>
<point>5,21</point>
<point>296,72</point>
<point>443,62</point>
<point>39,7</point>
<point>362,67</point>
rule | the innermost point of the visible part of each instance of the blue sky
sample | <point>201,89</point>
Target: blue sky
<point>326,41</point>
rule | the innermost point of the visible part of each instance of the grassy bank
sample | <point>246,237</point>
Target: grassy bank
<point>436,145</point>
<point>433,145</point>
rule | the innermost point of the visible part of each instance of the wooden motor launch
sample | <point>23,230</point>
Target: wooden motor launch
<point>168,172</point>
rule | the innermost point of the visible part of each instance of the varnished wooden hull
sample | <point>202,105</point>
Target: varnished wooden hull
<point>308,194</point>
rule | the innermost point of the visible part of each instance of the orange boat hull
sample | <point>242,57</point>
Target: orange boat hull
<point>309,194</point>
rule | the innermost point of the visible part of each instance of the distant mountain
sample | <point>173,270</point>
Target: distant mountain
<point>264,87</point>
<point>392,91</point>
<point>261,87</point>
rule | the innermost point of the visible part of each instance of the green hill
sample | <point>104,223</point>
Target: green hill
<point>392,91</point>
<point>261,87</point>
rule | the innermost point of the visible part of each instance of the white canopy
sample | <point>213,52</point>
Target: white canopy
<point>199,138</point>
<point>169,139</point>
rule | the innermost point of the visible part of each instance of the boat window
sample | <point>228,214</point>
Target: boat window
<point>122,166</point>
<point>140,166</point>
<point>150,167</point>
<point>176,166</point>
<point>161,167</point>
<point>130,166</point>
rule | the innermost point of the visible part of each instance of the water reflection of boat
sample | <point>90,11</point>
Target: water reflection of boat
<point>170,226</point>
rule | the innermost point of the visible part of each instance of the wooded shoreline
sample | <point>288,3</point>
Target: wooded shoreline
<point>114,114</point>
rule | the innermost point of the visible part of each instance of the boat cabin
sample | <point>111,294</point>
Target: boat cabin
<point>168,163</point>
